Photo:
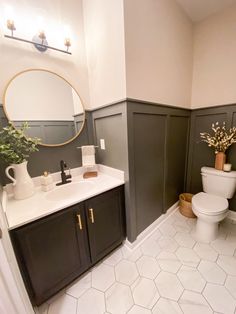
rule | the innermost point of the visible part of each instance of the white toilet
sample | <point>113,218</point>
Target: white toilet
<point>211,207</point>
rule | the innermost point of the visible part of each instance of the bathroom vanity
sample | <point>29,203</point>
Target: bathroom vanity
<point>56,246</point>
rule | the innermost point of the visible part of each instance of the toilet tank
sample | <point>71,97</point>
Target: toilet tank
<point>218,182</point>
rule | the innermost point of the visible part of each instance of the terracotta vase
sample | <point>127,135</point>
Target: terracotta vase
<point>220,160</point>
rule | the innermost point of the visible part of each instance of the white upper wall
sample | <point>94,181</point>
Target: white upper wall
<point>140,49</point>
<point>214,71</point>
<point>104,32</point>
<point>19,56</point>
<point>158,42</point>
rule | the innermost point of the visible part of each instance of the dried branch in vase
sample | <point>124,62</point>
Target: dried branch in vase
<point>221,139</point>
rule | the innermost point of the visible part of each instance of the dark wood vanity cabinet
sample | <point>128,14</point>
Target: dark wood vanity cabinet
<point>51,252</point>
<point>56,249</point>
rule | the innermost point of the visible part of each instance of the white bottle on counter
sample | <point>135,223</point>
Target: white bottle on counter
<point>46,181</point>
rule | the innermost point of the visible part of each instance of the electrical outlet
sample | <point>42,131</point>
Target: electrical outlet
<point>102,144</point>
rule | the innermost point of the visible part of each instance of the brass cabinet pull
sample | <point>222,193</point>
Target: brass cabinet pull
<point>79,222</point>
<point>91,215</point>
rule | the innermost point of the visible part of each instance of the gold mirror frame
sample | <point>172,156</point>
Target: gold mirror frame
<point>44,70</point>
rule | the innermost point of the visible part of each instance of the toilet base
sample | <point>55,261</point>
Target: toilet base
<point>206,231</point>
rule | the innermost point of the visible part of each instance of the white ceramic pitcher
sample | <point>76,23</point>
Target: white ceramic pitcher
<point>23,185</point>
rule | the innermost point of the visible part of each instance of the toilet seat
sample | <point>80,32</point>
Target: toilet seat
<point>209,204</point>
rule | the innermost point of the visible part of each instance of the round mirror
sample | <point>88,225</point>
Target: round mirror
<point>50,105</point>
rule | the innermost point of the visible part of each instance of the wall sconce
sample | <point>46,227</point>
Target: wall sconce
<point>39,40</point>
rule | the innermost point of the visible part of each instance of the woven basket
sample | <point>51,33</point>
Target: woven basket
<point>185,205</point>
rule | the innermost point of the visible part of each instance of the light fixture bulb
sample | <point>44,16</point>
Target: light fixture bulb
<point>41,29</point>
<point>67,36</point>
<point>11,25</point>
<point>9,14</point>
<point>42,35</point>
<point>67,43</point>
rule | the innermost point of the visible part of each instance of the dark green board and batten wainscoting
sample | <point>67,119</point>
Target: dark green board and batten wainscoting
<point>158,147</point>
<point>150,143</point>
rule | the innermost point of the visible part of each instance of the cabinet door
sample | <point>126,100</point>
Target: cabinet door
<point>51,252</point>
<point>106,226</point>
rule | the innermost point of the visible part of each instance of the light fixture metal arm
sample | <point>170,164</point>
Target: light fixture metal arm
<point>34,43</point>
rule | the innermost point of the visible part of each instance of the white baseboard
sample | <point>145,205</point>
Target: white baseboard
<point>150,229</point>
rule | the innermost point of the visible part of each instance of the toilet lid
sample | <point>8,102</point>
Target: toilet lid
<point>209,204</point>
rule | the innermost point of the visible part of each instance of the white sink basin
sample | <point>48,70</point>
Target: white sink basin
<point>70,190</point>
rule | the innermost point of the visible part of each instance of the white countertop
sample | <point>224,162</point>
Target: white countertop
<point>20,212</point>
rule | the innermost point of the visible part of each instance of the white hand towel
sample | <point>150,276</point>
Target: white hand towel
<point>88,155</point>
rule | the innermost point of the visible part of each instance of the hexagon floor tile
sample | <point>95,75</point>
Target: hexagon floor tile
<point>184,239</point>
<point>168,244</point>
<point>103,277</point>
<point>126,272</point>
<point>169,286</point>
<point>80,286</point>
<point>167,230</point>
<point>228,264</point>
<point>191,279</point>
<point>92,302</point>
<point>224,247</point>
<point>169,273</point>
<point>131,255</point>
<point>230,284</point>
<point>188,257</point>
<point>168,262</point>
<point>118,299</point>
<point>220,299</point>
<point>150,247</point>
<point>114,258</point>
<point>148,267</point>
<point>145,293</point>
<point>206,252</point>
<point>166,306</point>
<point>212,272</point>
<point>63,304</point>
<point>194,303</point>
<point>156,235</point>
<point>182,226</point>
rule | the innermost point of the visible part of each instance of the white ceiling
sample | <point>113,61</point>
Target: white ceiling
<point>199,9</point>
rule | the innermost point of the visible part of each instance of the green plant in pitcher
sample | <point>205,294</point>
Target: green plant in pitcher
<point>15,146</point>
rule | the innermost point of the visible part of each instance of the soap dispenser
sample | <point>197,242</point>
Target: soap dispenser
<point>46,181</point>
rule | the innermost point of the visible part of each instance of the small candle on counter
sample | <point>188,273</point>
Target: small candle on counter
<point>227,167</point>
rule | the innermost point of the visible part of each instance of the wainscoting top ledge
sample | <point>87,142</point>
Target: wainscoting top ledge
<point>212,107</point>
<point>136,101</point>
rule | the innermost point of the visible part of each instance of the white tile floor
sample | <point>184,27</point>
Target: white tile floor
<point>170,273</point>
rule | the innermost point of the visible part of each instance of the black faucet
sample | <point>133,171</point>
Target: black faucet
<point>64,176</point>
